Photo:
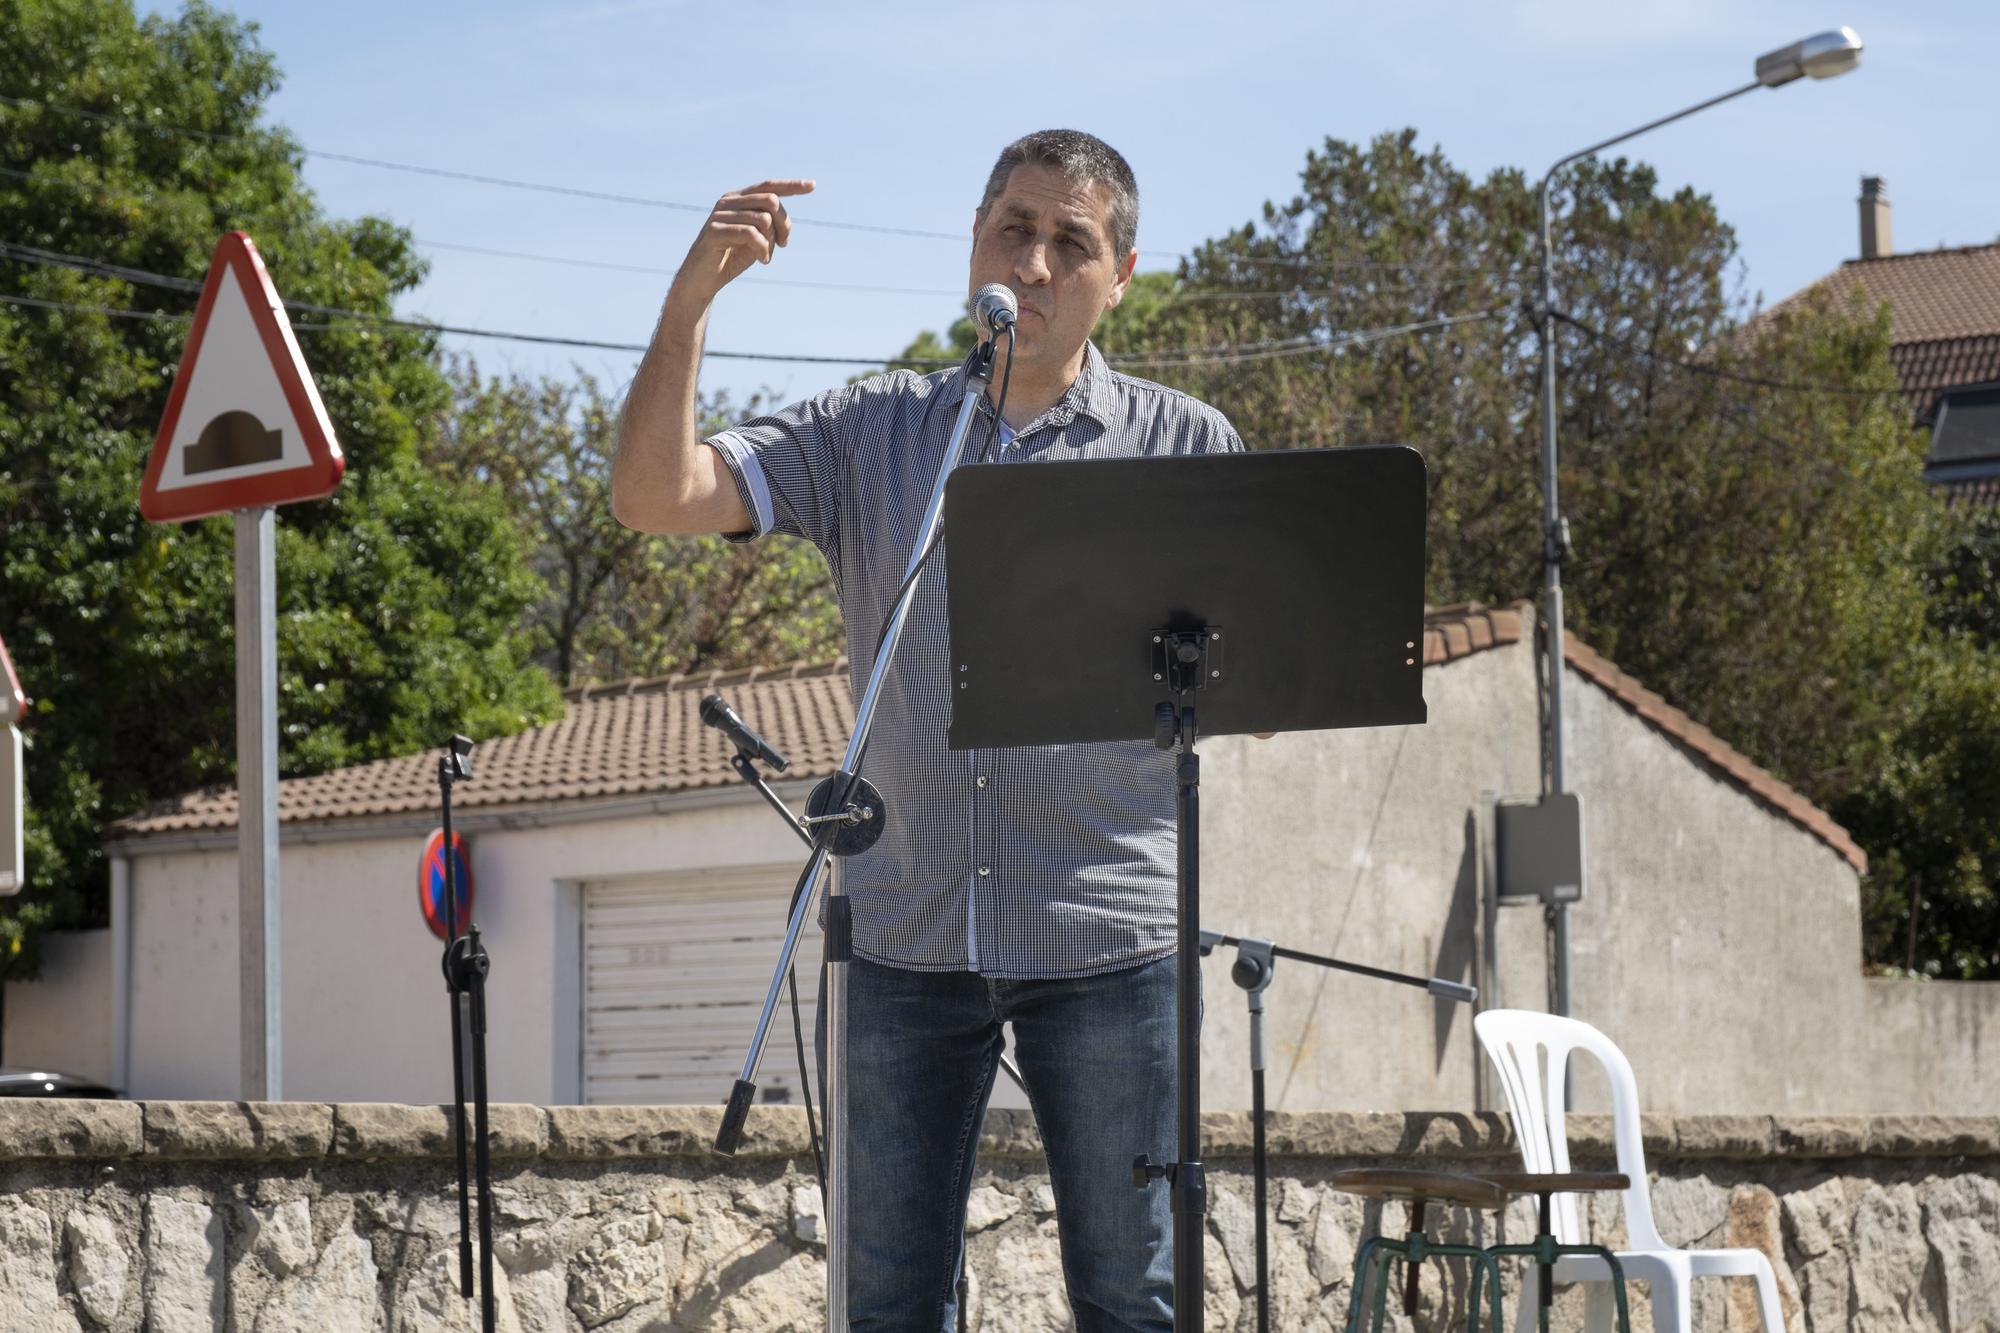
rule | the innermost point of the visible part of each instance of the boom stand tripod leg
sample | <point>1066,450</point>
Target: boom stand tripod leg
<point>846,815</point>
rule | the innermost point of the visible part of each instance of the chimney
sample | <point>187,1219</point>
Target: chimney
<point>1875,242</point>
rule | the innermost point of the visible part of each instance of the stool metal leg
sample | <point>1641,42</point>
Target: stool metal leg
<point>1373,1259</point>
<point>1353,1324</point>
<point>1544,1252</point>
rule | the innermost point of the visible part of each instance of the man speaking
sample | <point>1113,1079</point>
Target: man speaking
<point>1032,886</point>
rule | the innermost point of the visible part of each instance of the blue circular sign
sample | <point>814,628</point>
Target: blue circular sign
<point>431,883</point>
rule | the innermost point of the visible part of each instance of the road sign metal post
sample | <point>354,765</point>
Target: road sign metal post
<point>244,430</point>
<point>257,803</point>
<point>13,781</point>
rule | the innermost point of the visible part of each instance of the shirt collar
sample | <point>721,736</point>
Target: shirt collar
<point>1090,394</point>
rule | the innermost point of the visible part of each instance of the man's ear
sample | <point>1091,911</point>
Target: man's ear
<point>1123,280</point>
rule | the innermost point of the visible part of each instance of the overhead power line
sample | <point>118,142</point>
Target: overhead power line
<point>578,261</point>
<point>351,319</point>
<point>642,201</point>
<point>1717,372</point>
<point>451,173</point>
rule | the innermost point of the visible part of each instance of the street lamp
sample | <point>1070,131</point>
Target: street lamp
<point>1821,56</point>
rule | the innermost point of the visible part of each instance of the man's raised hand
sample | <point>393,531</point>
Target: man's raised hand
<point>745,226</point>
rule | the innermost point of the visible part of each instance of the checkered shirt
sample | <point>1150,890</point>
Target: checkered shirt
<point>1036,861</point>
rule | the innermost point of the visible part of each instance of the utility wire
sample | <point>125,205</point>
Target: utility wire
<point>29,254</point>
<point>577,261</point>
<point>574,261</point>
<point>1224,355</point>
<point>448,173</point>
<point>1291,348</point>
<point>606,196</point>
<point>1201,294</point>
<point>1716,372</point>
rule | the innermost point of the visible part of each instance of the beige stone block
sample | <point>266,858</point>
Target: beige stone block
<point>1889,1259</point>
<point>1798,1136</point>
<point>380,1130</point>
<point>28,1296</point>
<point>68,1127</point>
<point>1934,1136</point>
<point>1010,1132</point>
<point>1458,1135</point>
<point>590,1133</point>
<point>389,1130</point>
<point>222,1131</point>
<point>1337,1134</point>
<point>1724,1136</point>
<point>341,1292</point>
<point>184,1262</point>
<point>516,1129</point>
<point>1755,1223</point>
<point>1962,1224</point>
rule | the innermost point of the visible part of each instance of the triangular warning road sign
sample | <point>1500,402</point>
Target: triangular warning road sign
<point>244,425</point>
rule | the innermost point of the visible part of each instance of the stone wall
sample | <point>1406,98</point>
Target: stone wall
<point>171,1217</point>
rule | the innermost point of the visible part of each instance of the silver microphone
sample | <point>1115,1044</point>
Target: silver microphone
<point>993,310</point>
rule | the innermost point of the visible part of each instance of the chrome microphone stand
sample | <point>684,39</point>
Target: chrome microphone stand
<point>846,814</point>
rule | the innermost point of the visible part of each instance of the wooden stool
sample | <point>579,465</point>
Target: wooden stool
<point>1419,1190</point>
<point>1545,1251</point>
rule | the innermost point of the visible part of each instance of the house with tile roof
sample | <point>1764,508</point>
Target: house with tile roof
<point>632,892</point>
<point>1944,311</point>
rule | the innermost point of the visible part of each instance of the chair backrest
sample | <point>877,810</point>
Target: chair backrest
<point>1532,1053</point>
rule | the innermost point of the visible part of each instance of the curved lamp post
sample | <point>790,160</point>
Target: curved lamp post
<point>1821,56</point>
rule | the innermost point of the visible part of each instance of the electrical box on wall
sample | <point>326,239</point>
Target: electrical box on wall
<point>1540,849</point>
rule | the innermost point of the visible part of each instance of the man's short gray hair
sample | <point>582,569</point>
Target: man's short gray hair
<point>1083,159</point>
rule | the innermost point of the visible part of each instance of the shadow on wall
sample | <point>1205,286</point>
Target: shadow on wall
<point>1456,943</point>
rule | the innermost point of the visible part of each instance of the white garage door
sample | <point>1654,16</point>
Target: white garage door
<point>675,973</point>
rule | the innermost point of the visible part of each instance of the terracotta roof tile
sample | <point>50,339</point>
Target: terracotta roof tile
<point>1944,315</point>
<point>639,738</point>
<point>644,737</point>
<point>1926,369</point>
<point>1932,294</point>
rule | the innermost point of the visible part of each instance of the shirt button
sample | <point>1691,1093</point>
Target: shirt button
<point>986,870</point>
<point>979,781</point>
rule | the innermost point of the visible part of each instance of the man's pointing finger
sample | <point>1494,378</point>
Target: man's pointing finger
<point>784,187</point>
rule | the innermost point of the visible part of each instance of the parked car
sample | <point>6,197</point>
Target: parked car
<point>49,1083</point>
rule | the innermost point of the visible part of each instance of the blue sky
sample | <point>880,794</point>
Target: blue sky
<point>897,111</point>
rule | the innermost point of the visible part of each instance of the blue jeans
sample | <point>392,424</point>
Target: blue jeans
<point>1097,1055</point>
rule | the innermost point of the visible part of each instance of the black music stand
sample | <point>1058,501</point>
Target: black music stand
<point>1173,597</point>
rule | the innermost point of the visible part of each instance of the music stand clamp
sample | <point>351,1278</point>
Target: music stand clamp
<point>1312,559</point>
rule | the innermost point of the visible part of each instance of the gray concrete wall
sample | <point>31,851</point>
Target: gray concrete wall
<point>1360,845</point>
<point>1718,942</point>
<point>65,1026</point>
<point>1928,1045</point>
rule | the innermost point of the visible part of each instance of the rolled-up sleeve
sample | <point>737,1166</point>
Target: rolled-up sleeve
<point>788,466</point>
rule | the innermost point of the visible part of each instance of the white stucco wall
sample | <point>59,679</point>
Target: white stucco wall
<point>365,1011</point>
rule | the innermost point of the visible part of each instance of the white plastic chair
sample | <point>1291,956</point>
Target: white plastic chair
<point>1532,1053</point>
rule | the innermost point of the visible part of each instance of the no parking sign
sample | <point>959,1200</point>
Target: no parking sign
<point>431,882</point>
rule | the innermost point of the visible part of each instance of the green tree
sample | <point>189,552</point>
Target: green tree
<point>400,597</point>
<point>621,603</point>
<point>1931,800</point>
